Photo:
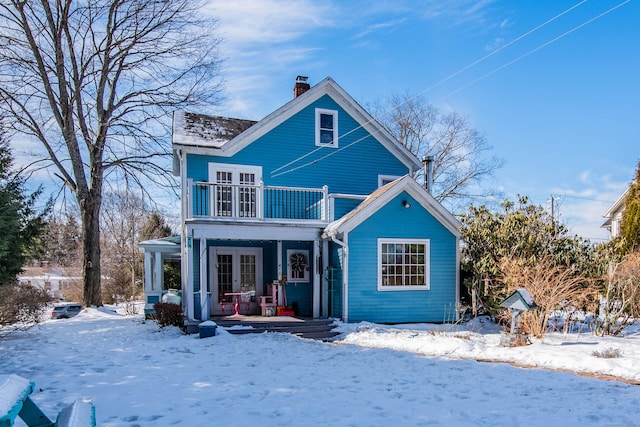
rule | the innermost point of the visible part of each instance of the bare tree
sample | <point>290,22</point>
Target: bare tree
<point>127,214</point>
<point>94,81</point>
<point>620,305</point>
<point>459,151</point>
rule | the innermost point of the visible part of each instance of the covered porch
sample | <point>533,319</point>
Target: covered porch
<point>157,252</point>
<point>279,267</point>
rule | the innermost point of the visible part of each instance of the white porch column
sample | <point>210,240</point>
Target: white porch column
<point>316,278</point>
<point>148,273</point>
<point>205,306</point>
<point>279,263</point>
<point>325,285</point>
<point>157,272</point>
<point>187,281</point>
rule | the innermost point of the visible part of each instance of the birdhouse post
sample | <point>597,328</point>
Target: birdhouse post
<point>517,303</point>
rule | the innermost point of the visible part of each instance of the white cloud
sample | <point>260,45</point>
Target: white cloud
<point>243,23</point>
<point>581,209</point>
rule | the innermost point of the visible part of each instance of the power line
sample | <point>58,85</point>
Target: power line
<point>532,51</point>
<point>453,75</point>
<point>500,49</point>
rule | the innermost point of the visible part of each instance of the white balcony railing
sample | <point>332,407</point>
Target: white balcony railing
<point>243,201</point>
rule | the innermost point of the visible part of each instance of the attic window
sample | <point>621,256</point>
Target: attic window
<point>326,128</point>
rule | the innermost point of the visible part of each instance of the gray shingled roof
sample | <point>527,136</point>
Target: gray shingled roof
<point>204,130</point>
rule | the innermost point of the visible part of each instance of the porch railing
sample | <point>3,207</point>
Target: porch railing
<point>248,201</point>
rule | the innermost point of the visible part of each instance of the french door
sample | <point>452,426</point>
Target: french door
<point>236,277</point>
<point>235,190</point>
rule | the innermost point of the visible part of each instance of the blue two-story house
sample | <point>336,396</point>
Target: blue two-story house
<point>318,198</point>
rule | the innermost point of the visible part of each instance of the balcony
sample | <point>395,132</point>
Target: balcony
<point>262,202</point>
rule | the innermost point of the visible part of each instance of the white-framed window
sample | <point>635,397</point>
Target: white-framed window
<point>326,128</point>
<point>403,264</point>
<point>297,265</point>
<point>385,179</point>
<point>235,190</point>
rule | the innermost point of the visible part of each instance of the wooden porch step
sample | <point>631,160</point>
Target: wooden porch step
<point>321,329</point>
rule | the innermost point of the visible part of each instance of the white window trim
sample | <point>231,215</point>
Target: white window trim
<point>236,170</point>
<point>427,262</point>
<point>333,113</point>
<point>388,178</point>
<point>305,278</point>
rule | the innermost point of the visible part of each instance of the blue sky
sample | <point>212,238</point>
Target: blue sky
<point>555,87</point>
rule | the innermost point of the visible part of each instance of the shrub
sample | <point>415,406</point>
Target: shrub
<point>22,305</point>
<point>607,353</point>
<point>552,286</point>
<point>168,314</point>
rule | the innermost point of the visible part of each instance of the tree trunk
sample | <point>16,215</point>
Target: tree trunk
<point>90,211</point>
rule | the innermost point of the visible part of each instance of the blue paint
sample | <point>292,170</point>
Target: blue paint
<point>366,302</point>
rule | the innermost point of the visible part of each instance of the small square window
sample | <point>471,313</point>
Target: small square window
<point>326,128</point>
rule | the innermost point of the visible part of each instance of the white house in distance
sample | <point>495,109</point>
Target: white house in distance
<point>614,216</point>
<point>54,280</point>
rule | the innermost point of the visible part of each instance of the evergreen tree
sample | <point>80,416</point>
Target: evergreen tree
<point>155,228</point>
<point>629,238</point>
<point>520,231</point>
<point>20,223</point>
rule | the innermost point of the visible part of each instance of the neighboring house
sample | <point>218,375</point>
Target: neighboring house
<point>58,282</point>
<point>317,197</point>
<point>614,216</point>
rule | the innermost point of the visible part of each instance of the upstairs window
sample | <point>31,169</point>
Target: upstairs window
<point>326,128</point>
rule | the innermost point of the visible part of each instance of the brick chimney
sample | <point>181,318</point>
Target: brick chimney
<point>301,86</point>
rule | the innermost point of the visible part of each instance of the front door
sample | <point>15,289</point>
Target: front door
<point>237,280</point>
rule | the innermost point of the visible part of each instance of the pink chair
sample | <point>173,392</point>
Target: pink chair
<point>270,300</point>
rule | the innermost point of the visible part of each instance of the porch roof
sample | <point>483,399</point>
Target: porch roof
<point>165,245</point>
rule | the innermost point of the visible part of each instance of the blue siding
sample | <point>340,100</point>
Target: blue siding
<point>300,292</point>
<point>366,302</point>
<point>353,170</point>
<point>336,266</point>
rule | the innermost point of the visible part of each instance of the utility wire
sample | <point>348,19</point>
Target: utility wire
<point>501,48</point>
<point>455,74</point>
<point>542,46</point>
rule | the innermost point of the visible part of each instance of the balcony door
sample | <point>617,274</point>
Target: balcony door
<point>236,275</point>
<point>235,190</point>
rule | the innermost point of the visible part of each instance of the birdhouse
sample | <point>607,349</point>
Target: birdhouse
<point>520,300</point>
<point>517,303</point>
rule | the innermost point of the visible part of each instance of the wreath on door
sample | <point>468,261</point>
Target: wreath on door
<point>298,263</point>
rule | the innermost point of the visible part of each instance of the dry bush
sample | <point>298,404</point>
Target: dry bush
<point>552,287</point>
<point>168,314</point>
<point>73,291</point>
<point>621,296</point>
<point>608,353</point>
<point>118,287</point>
<point>21,306</point>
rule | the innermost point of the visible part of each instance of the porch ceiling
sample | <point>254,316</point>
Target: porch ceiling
<point>255,230</point>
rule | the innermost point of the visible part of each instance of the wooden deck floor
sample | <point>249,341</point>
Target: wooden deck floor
<point>320,329</point>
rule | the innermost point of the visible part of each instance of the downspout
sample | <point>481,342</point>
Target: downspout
<point>345,276</point>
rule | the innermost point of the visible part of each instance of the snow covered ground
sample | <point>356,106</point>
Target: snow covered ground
<point>412,375</point>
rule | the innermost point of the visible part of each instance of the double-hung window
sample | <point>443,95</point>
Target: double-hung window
<point>326,128</point>
<point>403,264</point>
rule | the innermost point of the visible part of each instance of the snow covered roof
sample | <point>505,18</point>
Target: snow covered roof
<point>206,131</point>
<point>169,244</point>
<point>199,132</point>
